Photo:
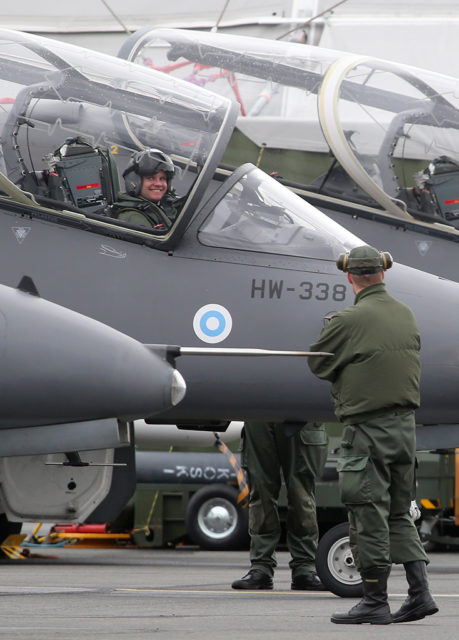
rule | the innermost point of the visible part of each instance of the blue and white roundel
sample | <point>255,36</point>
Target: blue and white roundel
<point>212,323</point>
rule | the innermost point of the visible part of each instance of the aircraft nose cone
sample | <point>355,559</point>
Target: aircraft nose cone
<point>59,366</point>
<point>178,389</point>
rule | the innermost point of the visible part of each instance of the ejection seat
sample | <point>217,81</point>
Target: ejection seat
<point>80,175</point>
<point>436,196</point>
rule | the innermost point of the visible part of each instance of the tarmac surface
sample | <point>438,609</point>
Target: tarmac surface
<point>185,593</point>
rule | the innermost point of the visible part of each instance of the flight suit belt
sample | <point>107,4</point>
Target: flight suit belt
<point>369,415</point>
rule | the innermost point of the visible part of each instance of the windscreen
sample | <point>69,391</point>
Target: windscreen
<point>259,214</point>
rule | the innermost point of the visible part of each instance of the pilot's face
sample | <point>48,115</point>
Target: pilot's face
<point>154,187</point>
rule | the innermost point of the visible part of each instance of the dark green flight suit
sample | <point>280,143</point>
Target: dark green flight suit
<point>145,213</point>
<point>375,376</point>
<point>266,450</point>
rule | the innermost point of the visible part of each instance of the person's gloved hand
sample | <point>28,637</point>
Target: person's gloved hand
<point>415,512</point>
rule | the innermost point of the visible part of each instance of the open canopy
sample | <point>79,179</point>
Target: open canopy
<point>384,123</point>
<point>70,120</point>
<point>53,92</point>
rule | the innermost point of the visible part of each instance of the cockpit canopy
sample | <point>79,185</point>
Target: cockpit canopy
<point>70,120</point>
<point>52,92</point>
<point>384,123</point>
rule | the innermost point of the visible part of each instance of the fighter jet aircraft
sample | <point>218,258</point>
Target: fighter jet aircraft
<point>69,386</point>
<point>372,143</point>
<point>247,267</point>
<point>246,264</point>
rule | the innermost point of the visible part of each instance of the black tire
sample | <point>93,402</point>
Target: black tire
<point>215,521</point>
<point>335,564</point>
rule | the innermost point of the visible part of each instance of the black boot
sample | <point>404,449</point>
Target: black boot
<point>254,579</point>
<point>419,603</point>
<point>373,608</point>
<point>307,582</point>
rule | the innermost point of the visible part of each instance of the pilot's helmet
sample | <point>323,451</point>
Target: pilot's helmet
<point>146,163</point>
<point>363,260</point>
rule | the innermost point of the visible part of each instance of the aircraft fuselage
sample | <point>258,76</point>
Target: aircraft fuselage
<point>271,301</point>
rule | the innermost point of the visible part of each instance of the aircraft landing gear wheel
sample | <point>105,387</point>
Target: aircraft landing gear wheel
<point>335,563</point>
<point>214,520</point>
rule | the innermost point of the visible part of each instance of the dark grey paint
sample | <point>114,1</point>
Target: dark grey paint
<point>59,366</point>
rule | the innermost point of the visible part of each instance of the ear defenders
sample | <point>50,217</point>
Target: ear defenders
<point>387,260</point>
<point>363,264</point>
<point>342,261</point>
<point>132,183</point>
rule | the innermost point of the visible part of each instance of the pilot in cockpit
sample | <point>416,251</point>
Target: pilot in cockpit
<point>149,200</point>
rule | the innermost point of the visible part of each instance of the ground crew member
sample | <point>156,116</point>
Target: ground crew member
<point>375,374</point>
<point>149,200</point>
<point>300,451</point>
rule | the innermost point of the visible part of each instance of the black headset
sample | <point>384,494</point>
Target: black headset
<point>384,261</point>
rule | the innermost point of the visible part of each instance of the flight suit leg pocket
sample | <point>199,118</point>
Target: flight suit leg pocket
<point>313,449</point>
<point>355,474</point>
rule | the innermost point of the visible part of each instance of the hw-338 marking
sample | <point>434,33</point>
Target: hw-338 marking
<point>305,290</point>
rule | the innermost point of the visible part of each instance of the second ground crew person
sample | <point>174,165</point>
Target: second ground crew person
<point>375,374</point>
<point>300,451</point>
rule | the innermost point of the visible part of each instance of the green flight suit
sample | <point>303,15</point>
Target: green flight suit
<point>375,375</point>
<point>145,213</point>
<point>267,450</point>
